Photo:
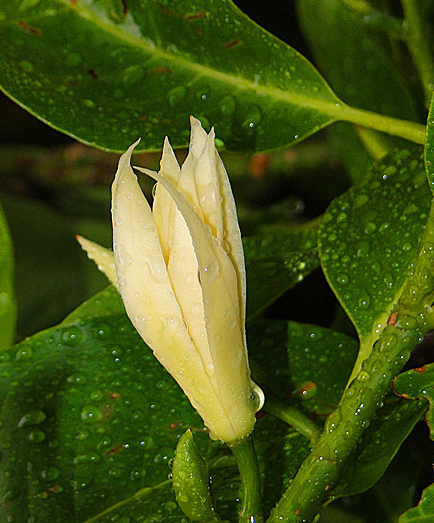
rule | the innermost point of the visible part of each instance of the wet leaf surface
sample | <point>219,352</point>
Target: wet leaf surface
<point>370,237</point>
<point>116,76</point>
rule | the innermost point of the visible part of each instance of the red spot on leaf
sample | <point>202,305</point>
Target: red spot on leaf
<point>297,512</point>
<point>173,425</point>
<point>28,28</point>
<point>197,16</point>
<point>92,73</point>
<point>229,45</point>
<point>420,369</point>
<point>114,450</point>
<point>115,395</point>
<point>161,70</point>
<point>307,388</point>
<point>392,319</point>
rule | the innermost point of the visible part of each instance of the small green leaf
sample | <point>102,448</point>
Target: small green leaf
<point>276,260</point>
<point>115,76</point>
<point>190,481</point>
<point>8,309</point>
<point>418,384</point>
<point>424,512</point>
<point>370,236</point>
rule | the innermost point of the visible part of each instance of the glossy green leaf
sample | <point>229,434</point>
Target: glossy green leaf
<point>276,260</point>
<point>90,421</point>
<point>429,146</point>
<point>52,274</point>
<point>305,364</point>
<point>387,432</point>
<point>359,63</point>
<point>369,238</point>
<point>8,309</point>
<point>424,512</point>
<point>309,367</point>
<point>418,384</point>
<point>114,78</point>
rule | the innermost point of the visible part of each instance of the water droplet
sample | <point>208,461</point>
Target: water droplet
<point>36,436</point>
<point>11,494</point>
<point>50,473</point>
<point>26,66</point>
<point>33,417</point>
<point>370,228</point>
<point>342,279</point>
<point>91,414</point>
<point>24,354</point>
<point>90,104</point>
<point>252,118</point>
<point>72,335</point>
<point>364,300</point>
<point>133,74</point>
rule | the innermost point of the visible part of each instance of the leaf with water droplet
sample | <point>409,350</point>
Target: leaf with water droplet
<point>237,87</point>
<point>277,260</point>
<point>367,257</point>
<point>8,310</point>
<point>418,384</point>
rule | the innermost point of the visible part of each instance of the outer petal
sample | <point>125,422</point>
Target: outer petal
<point>103,257</point>
<point>225,332</point>
<point>232,233</point>
<point>140,267</point>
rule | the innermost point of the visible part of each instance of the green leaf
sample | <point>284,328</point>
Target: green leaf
<point>418,384</point>
<point>52,273</point>
<point>429,146</point>
<point>276,260</point>
<point>90,421</point>
<point>112,79</point>
<point>380,442</point>
<point>369,238</point>
<point>355,53</point>
<point>305,364</point>
<point>8,309</point>
<point>424,512</point>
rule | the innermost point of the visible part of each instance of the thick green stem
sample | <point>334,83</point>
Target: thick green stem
<point>245,454</point>
<point>417,39</point>
<point>290,415</point>
<point>320,472</point>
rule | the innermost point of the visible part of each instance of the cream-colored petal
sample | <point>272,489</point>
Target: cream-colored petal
<point>163,207</point>
<point>103,258</point>
<point>207,187</point>
<point>140,267</point>
<point>232,233</point>
<point>225,333</point>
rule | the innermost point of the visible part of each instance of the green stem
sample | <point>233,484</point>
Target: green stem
<point>245,454</point>
<point>417,40</point>
<point>321,470</point>
<point>415,132</point>
<point>290,415</point>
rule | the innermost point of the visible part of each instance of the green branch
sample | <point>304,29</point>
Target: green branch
<point>290,415</point>
<point>321,470</point>
<point>412,131</point>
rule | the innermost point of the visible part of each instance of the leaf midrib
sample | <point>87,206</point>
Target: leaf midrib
<point>331,108</point>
